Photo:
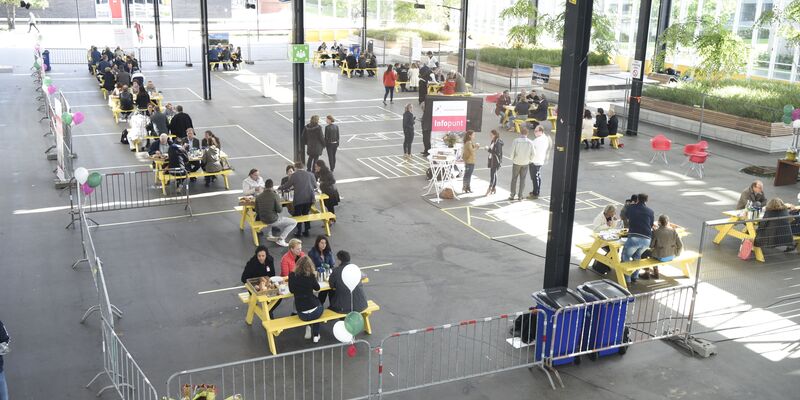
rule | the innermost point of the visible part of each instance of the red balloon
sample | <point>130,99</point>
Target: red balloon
<point>351,351</point>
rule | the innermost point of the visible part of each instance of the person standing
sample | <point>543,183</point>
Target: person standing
<point>389,80</point>
<point>327,185</point>
<point>304,184</point>
<point>408,131</point>
<point>469,159</point>
<point>331,140</point>
<point>268,210</point>
<point>495,149</point>
<point>424,78</point>
<point>4,349</point>
<point>640,231</point>
<point>522,152</point>
<point>314,140</point>
<point>180,123</point>
<point>541,147</point>
<point>32,22</point>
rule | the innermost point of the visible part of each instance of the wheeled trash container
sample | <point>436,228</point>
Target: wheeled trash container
<point>562,328</point>
<point>605,326</point>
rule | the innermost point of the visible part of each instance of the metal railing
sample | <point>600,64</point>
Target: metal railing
<point>424,357</point>
<point>132,189</point>
<point>143,54</point>
<point>126,377</point>
<point>328,372</point>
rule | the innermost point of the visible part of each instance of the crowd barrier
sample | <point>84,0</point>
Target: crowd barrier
<point>435,355</point>
<point>126,377</point>
<point>53,106</point>
<point>339,371</point>
<point>61,55</point>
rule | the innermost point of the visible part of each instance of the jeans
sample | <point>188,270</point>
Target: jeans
<point>389,92</point>
<point>408,139</point>
<point>665,259</point>
<point>302,209</point>
<point>518,171</point>
<point>493,176</point>
<point>331,149</point>
<point>468,169</point>
<point>284,225</point>
<point>312,316</point>
<point>312,159</point>
<point>3,387</point>
<point>632,250</point>
<point>536,177</point>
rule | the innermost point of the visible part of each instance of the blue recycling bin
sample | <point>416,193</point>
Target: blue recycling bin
<point>606,321</point>
<point>563,335</point>
<point>355,49</point>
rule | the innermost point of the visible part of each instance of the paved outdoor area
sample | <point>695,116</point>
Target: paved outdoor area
<point>433,263</point>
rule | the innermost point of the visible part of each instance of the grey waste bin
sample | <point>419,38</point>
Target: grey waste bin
<point>471,72</point>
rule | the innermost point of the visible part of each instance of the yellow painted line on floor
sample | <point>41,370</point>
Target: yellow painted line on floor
<point>465,224</point>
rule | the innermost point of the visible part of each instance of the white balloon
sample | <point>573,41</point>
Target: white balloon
<point>81,175</point>
<point>351,275</point>
<point>340,332</point>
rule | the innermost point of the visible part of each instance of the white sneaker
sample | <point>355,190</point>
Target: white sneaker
<point>272,238</point>
<point>308,332</point>
<point>282,243</point>
<point>316,339</point>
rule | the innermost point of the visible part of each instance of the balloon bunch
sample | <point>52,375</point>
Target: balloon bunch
<point>68,118</point>
<point>88,181</point>
<point>353,323</point>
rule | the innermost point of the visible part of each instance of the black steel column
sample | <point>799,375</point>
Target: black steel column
<point>640,54</point>
<point>364,27</point>
<point>298,79</point>
<point>462,39</point>
<point>157,21</point>
<point>574,63</point>
<point>664,11</point>
<point>126,5</point>
<point>204,49</point>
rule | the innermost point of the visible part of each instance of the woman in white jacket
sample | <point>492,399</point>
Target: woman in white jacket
<point>587,130</point>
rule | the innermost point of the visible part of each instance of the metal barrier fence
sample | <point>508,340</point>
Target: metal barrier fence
<point>600,326</point>
<point>143,54</point>
<point>328,372</point>
<point>435,355</point>
<point>132,189</point>
<point>126,377</point>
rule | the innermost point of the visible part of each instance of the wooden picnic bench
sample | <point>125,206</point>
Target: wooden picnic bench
<point>165,177</point>
<point>212,64</point>
<point>318,213</point>
<point>259,304</point>
<point>349,71</point>
<point>614,139</point>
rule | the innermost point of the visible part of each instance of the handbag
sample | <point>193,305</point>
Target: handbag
<point>745,249</point>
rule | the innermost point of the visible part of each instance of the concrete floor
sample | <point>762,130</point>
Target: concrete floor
<point>441,271</point>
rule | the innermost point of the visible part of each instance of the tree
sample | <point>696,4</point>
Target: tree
<point>523,34</point>
<point>786,20</point>
<point>11,9</point>
<point>603,39</point>
<point>437,11</point>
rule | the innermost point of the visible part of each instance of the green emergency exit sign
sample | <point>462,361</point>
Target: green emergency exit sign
<point>298,53</point>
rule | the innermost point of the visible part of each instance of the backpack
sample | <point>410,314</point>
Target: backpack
<point>124,137</point>
<point>525,327</point>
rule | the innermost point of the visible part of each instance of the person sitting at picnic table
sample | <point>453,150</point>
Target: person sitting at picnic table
<point>539,110</point>
<point>601,123</point>
<point>108,80</point>
<point>123,77</point>
<point>613,122</point>
<point>289,171</point>
<point>342,300</point>
<point>253,184</point>
<point>103,64</point>
<point>302,283</point>
<point>461,82</point>
<point>413,77</point>
<point>261,264</point>
<point>322,256</point>
<point>142,98</point>
<point>138,77</point>
<point>177,160</point>
<point>169,111</point>
<point>192,144</point>
<point>342,56</point>
<point>180,122</point>
<point>402,75</point>
<point>224,56</point>
<point>640,232</point>
<point>362,63</point>
<point>150,87</point>
<point>323,50</point>
<point>775,232</point>
<point>499,107</point>
<point>211,163</point>
<point>754,194</point>
<point>665,245</point>
<point>289,260</point>
<point>372,62</point>
<point>327,185</point>
<point>236,58</point>
<point>158,120</point>
<point>213,58</point>
<point>304,184</point>
<point>449,87</point>
<point>210,138</point>
<point>521,109</point>
<point>606,220</point>
<point>587,129</point>
<point>126,104</point>
<point>268,211</point>
<point>161,146</point>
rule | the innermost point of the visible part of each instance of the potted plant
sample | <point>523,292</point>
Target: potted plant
<point>450,139</point>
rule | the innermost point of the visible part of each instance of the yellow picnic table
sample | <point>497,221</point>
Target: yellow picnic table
<point>613,258</point>
<point>261,303</point>
<point>247,208</point>
<point>161,160</point>
<point>748,231</point>
<point>509,111</point>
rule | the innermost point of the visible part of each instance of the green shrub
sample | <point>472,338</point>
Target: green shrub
<point>762,100</point>
<point>393,33</point>
<point>525,57</point>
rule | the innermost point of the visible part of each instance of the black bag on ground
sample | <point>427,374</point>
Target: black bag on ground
<point>124,137</point>
<point>525,327</point>
<point>600,267</point>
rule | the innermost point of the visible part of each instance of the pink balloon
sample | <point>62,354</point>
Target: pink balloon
<point>37,48</point>
<point>52,89</point>
<point>77,118</point>
<point>87,190</point>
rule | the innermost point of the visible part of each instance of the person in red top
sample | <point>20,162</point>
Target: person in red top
<point>449,87</point>
<point>290,258</point>
<point>389,79</point>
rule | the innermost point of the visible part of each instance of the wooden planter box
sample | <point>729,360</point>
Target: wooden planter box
<point>717,118</point>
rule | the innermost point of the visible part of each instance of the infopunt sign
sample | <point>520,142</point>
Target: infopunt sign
<point>449,116</point>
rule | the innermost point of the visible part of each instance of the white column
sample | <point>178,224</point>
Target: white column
<point>795,59</point>
<point>632,29</point>
<point>319,7</point>
<point>617,28</point>
<point>684,10</point>
<point>753,41</point>
<point>378,12</point>
<point>774,42</point>
<point>737,15</point>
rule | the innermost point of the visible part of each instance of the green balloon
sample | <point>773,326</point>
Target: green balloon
<point>94,179</point>
<point>787,109</point>
<point>787,119</point>
<point>354,323</point>
<point>47,80</point>
<point>66,118</point>
<point>36,64</point>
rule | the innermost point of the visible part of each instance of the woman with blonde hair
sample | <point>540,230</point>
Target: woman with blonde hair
<point>469,159</point>
<point>775,229</point>
<point>302,283</point>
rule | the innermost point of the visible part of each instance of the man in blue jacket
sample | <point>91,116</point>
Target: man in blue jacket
<point>640,231</point>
